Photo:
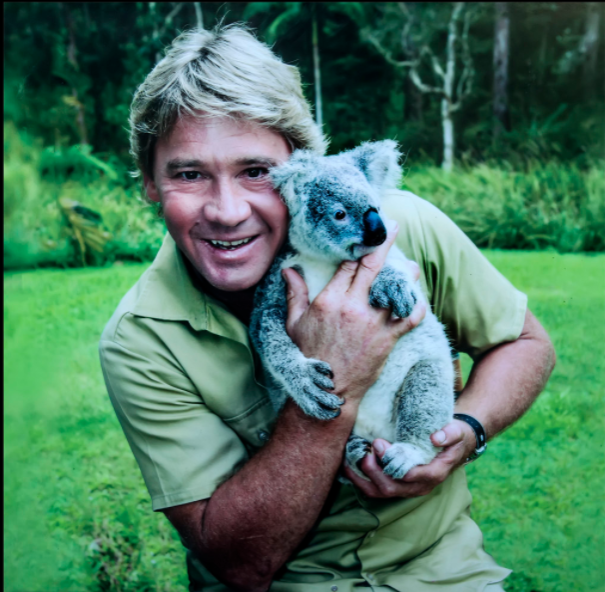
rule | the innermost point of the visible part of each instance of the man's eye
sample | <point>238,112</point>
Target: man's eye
<point>256,173</point>
<point>189,175</point>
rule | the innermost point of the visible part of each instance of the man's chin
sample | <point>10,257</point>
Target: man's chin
<point>231,282</point>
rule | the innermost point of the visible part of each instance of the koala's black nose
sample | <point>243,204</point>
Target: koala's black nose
<point>374,231</point>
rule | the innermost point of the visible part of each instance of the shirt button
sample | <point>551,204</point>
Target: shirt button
<point>263,436</point>
<point>334,588</point>
<point>370,577</point>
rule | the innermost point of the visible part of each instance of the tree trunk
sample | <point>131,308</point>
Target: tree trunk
<point>448,90</point>
<point>501,53</point>
<point>448,136</point>
<point>316,68</point>
<point>590,45</point>
<point>72,52</point>
<point>199,15</point>
<point>413,101</point>
<point>155,34</point>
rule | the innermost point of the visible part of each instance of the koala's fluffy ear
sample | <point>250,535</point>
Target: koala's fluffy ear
<point>286,176</point>
<point>378,162</point>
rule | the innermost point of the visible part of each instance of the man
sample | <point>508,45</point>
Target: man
<point>253,495</point>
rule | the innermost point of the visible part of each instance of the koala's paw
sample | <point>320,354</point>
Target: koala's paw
<point>308,384</point>
<point>355,451</point>
<point>391,291</point>
<point>402,456</point>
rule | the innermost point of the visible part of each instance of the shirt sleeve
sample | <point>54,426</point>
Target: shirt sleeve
<point>479,307</point>
<point>184,450</point>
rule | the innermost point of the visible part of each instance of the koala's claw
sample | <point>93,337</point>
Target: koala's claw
<point>324,368</point>
<point>402,456</point>
<point>355,451</point>
<point>311,385</point>
<point>403,305</point>
<point>389,292</point>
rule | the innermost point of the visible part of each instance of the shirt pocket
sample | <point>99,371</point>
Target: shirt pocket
<point>255,425</point>
<point>223,372</point>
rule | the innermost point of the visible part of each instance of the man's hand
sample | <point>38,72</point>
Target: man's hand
<point>458,441</point>
<point>341,328</point>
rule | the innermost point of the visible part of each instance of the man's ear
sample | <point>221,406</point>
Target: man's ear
<point>151,188</point>
<point>378,161</point>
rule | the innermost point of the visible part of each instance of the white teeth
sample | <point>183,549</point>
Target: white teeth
<point>218,243</point>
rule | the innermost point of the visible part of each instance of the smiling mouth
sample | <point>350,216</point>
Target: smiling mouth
<point>230,245</point>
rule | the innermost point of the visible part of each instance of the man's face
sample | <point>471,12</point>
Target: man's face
<point>211,177</point>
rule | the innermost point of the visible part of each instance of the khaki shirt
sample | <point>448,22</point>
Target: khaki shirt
<point>186,389</point>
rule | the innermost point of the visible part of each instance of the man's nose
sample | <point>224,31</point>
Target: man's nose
<point>374,230</point>
<point>227,207</point>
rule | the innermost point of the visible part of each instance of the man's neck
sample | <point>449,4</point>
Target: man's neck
<point>239,303</point>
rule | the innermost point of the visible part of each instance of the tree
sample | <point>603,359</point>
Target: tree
<point>414,43</point>
<point>586,51</point>
<point>501,53</point>
<point>290,15</point>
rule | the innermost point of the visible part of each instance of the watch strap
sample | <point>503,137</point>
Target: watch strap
<point>480,436</point>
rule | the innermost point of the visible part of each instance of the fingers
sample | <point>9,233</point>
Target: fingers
<point>403,326</point>
<point>452,433</point>
<point>381,485</point>
<point>438,469</point>
<point>367,487</point>
<point>420,480</point>
<point>458,440</point>
<point>370,265</point>
<point>343,277</point>
<point>297,295</point>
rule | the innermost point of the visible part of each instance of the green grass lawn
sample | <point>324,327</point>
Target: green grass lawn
<point>77,514</point>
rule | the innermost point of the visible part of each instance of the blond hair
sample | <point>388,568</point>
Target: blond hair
<point>225,72</point>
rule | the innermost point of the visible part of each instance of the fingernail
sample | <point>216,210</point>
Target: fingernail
<point>440,437</point>
<point>379,447</point>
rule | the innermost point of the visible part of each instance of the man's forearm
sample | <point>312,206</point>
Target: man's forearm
<point>255,520</point>
<point>506,380</point>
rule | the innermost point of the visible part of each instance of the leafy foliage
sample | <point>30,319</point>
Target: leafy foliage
<point>41,226</point>
<point>545,206</point>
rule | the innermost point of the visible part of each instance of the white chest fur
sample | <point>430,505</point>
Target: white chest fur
<point>317,273</point>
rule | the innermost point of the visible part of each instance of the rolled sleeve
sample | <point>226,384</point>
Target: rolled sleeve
<point>479,307</point>
<point>184,450</point>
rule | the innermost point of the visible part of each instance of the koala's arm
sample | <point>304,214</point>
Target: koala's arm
<point>303,379</point>
<point>254,521</point>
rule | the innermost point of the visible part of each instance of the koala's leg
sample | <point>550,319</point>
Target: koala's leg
<point>355,451</point>
<point>391,289</point>
<point>424,405</point>
<point>304,379</point>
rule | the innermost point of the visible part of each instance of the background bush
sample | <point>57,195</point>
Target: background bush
<point>36,231</point>
<point>550,205</point>
<point>71,70</point>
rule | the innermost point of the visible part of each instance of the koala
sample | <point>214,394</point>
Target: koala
<point>334,207</point>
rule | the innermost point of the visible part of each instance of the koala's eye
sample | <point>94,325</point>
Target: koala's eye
<point>340,214</point>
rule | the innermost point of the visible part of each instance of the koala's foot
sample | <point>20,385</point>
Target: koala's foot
<point>391,290</point>
<point>355,451</point>
<point>309,379</point>
<point>402,456</point>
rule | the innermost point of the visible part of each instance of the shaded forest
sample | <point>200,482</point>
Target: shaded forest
<point>509,86</point>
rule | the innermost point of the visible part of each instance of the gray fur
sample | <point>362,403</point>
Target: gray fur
<point>413,396</point>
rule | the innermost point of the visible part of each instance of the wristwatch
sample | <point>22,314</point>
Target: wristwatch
<point>479,435</point>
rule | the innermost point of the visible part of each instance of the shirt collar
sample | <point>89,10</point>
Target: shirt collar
<point>169,294</point>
